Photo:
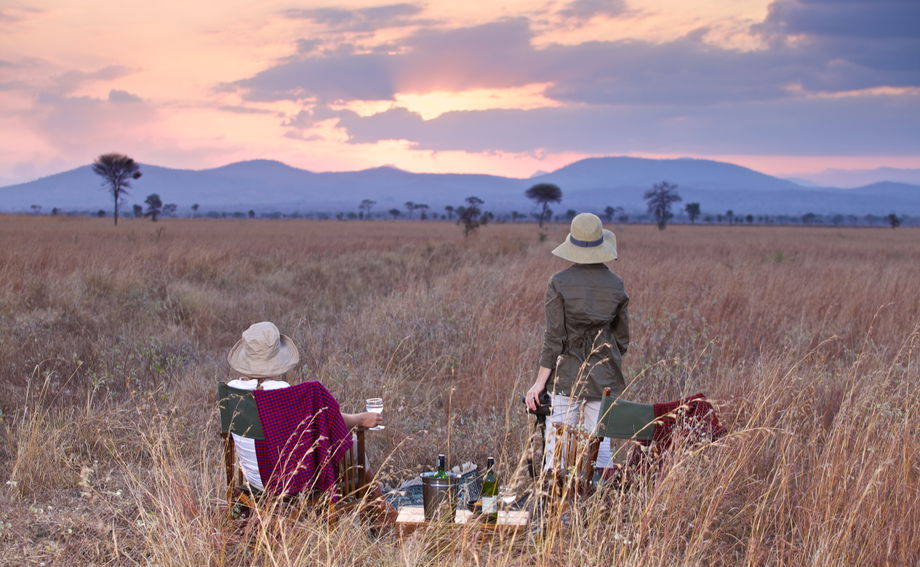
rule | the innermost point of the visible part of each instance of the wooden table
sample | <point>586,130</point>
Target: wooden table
<point>412,518</point>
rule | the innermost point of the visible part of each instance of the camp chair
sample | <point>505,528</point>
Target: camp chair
<point>576,450</point>
<point>693,417</point>
<point>238,414</point>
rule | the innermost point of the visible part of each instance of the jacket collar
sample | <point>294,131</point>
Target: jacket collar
<point>598,266</point>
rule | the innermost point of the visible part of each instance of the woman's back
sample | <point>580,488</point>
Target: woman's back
<point>587,328</point>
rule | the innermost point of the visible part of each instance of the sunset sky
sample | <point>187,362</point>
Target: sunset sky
<point>507,87</point>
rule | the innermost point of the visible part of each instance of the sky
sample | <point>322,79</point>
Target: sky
<point>505,87</point>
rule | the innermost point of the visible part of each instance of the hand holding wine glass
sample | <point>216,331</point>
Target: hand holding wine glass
<point>375,405</point>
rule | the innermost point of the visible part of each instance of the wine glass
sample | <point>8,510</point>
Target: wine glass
<point>375,405</point>
<point>506,496</point>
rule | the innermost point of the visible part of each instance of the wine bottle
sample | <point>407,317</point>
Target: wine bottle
<point>490,493</point>
<point>442,465</point>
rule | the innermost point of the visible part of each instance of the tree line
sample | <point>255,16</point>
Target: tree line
<point>118,171</point>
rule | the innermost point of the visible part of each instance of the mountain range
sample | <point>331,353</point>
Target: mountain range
<point>589,184</point>
<point>849,178</point>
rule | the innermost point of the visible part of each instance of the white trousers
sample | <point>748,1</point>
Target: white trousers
<point>574,412</point>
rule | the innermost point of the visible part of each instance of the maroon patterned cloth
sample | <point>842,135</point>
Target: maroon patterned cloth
<point>693,416</point>
<point>305,437</point>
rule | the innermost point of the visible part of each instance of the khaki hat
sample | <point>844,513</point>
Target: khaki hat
<point>588,242</point>
<point>263,352</point>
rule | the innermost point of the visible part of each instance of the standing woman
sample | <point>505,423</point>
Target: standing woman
<point>587,333</point>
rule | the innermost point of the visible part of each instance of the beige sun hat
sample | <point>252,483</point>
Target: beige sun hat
<point>263,352</point>
<point>588,242</point>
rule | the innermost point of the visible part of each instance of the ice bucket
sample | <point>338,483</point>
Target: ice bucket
<point>439,495</point>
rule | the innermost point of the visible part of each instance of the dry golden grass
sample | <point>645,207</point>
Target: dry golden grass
<point>113,338</point>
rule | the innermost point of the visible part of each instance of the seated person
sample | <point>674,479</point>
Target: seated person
<point>262,357</point>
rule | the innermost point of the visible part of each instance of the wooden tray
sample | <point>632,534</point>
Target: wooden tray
<point>412,518</point>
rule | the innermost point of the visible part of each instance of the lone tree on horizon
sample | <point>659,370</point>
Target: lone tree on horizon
<point>365,208</point>
<point>543,194</point>
<point>693,211</point>
<point>154,206</point>
<point>471,216</point>
<point>117,171</point>
<point>659,199</point>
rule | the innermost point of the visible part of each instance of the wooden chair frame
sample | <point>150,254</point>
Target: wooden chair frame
<point>576,450</point>
<point>574,454</point>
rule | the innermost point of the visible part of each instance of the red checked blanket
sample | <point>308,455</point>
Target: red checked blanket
<point>305,437</point>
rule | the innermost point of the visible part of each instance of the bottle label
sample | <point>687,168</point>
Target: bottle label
<point>489,504</point>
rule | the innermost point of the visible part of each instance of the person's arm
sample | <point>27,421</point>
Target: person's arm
<point>366,419</point>
<point>554,334</point>
<point>621,328</point>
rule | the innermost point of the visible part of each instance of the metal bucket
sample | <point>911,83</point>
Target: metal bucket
<point>439,495</point>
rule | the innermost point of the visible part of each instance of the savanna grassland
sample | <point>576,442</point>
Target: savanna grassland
<point>112,340</point>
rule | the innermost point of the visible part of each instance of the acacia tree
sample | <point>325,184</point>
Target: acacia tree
<point>154,206</point>
<point>543,194</point>
<point>893,220</point>
<point>471,216</point>
<point>609,212</point>
<point>117,171</point>
<point>659,199</point>
<point>365,207</point>
<point>693,211</point>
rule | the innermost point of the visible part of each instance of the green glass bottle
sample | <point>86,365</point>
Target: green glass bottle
<point>442,465</point>
<point>490,493</point>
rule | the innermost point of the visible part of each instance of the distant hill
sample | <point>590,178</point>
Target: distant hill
<point>599,173</point>
<point>590,184</point>
<point>849,178</point>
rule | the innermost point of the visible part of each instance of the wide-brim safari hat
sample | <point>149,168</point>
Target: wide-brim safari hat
<point>588,242</point>
<point>263,352</point>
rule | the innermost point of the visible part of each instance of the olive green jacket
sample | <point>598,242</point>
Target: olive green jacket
<point>587,330</point>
